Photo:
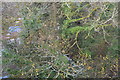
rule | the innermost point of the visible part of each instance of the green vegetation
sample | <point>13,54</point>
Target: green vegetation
<point>65,40</point>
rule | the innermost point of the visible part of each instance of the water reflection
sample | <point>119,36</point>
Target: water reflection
<point>4,77</point>
<point>13,33</point>
<point>14,29</point>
